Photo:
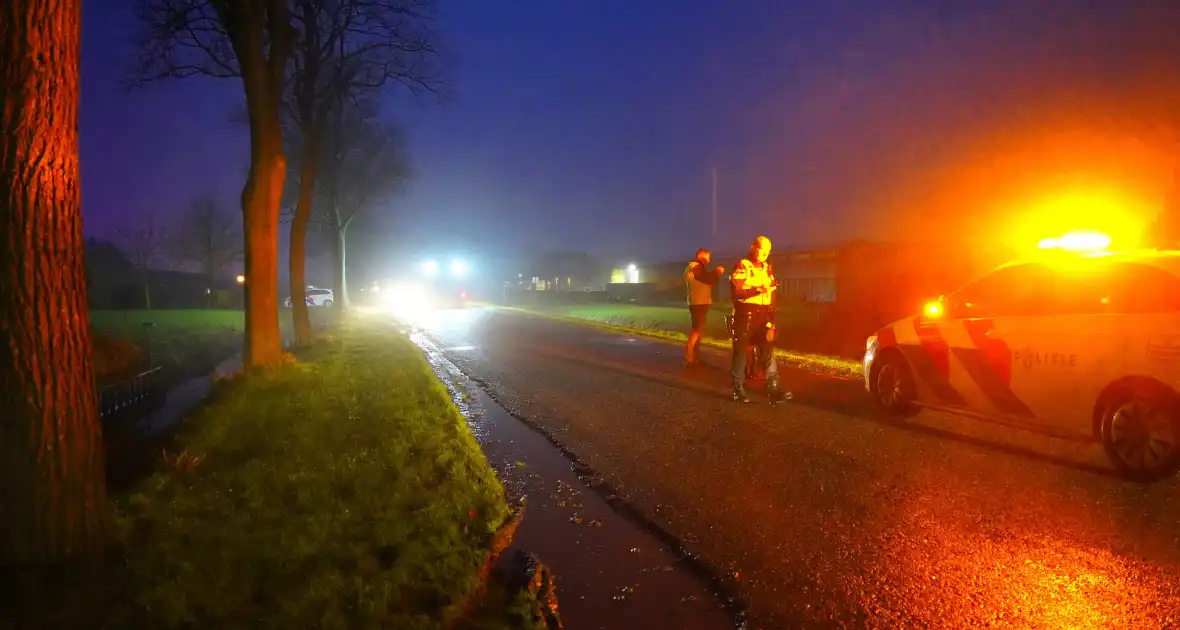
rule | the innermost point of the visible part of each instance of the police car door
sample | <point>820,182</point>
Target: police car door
<point>1107,316</point>
<point>988,320</point>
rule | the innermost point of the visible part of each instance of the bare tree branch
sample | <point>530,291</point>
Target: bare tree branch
<point>181,38</point>
<point>207,237</point>
<point>253,40</point>
<point>365,160</point>
<point>347,49</point>
<point>142,240</point>
<point>347,46</point>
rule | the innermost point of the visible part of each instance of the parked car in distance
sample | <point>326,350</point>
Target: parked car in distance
<point>315,297</point>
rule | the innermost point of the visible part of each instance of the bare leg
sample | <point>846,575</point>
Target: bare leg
<point>691,351</point>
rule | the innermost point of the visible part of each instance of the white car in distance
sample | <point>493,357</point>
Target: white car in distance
<point>315,297</point>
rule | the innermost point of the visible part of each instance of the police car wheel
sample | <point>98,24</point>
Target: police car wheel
<point>1141,434</point>
<point>893,385</point>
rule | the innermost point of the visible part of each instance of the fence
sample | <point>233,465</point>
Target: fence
<point>139,391</point>
<point>807,276</point>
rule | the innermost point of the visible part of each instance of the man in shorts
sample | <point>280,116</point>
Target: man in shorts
<point>699,281</point>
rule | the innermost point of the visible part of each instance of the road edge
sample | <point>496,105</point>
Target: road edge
<point>795,360</point>
<point>724,586</point>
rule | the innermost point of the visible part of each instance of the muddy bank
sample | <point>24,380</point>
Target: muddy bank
<point>614,569</point>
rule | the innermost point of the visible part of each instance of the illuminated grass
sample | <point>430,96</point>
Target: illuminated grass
<point>184,324</point>
<point>671,324</point>
<point>177,338</point>
<point>342,491</point>
<point>129,324</point>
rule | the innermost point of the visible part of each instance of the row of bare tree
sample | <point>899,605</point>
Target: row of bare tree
<point>351,162</point>
<point>204,237</point>
<point>312,73</point>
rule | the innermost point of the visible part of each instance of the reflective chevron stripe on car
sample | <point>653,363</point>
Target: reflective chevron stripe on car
<point>989,364</point>
<point>930,361</point>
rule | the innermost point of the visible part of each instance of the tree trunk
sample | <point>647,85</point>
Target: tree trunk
<point>342,268</point>
<point>147,287</point>
<point>53,502</point>
<point>260,211</point>
<point>297,262</point>
<point>339,259</point>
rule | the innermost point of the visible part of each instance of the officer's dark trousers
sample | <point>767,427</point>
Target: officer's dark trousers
<point>749,329</point>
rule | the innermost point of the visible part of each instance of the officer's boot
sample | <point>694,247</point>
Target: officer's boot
<point>739,392</point>
<point>774,390</point>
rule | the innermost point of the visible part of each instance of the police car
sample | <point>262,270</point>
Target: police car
<point>1077,345</point>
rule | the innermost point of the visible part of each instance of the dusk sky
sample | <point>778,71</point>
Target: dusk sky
<point>593,126</point>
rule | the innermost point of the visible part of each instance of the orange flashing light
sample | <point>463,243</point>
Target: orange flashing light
<point>933,310</point>
<point>1077,242</point>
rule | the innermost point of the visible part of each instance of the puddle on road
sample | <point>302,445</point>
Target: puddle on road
<point>611,572</point>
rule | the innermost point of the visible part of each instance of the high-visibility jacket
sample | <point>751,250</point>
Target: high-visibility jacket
<point>747,278</point>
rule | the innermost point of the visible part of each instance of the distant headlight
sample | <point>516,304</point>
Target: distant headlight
<point>406,300</point>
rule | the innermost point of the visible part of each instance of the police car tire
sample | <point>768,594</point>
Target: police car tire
<point>892,360</point>
<point>327,302</point>
<point>1158,396</point>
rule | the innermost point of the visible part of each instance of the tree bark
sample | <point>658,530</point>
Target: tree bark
<point>260,210</point>
<point>261,195</point>
<point>297,263</point>
<point>53,502</point>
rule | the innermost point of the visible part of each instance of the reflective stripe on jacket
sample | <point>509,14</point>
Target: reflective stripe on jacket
<point>747,277</point>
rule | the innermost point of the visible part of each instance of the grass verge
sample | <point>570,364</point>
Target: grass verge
<point>671,324</point>
<point>186,341</point>
<point>178,340</point>
<point>344,490</point>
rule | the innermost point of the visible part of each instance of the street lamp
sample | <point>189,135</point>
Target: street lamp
<point>632,274</point>
<point>241,279</point>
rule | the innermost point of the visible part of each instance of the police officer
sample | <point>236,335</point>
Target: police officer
<point>699,281</point>
<point>752,285</point>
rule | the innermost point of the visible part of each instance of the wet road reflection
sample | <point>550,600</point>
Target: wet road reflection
<point>611,572</point>
<point>823,514</point>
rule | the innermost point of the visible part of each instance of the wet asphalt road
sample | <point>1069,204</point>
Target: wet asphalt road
<point>825,515</point>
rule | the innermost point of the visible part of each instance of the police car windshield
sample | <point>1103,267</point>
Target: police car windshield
<point>1020,289</point>
<point>1101,286</point>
